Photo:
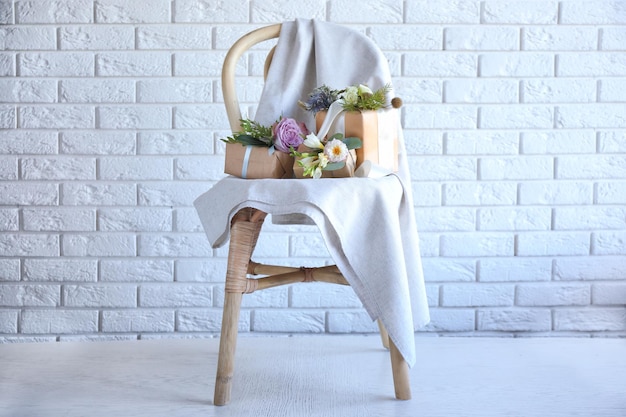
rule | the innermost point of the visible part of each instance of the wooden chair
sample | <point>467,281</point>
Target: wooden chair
<point>244,232</point>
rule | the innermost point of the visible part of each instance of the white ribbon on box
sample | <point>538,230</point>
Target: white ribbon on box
<point>386,138</point>
<point>246,159</point>
<point>332,121</point>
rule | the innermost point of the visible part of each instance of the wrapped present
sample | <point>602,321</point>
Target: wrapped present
<point>254,162</point>
<point>378,130</point>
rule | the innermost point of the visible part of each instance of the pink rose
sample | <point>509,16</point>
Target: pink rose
<point>288,133</point>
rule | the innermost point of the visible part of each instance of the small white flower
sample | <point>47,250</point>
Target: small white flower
<point>351,96</point>
<point>313,142</point>
<point>307,162</point>
<point>336,150</point>
<point>317,173</point>
<point>364,90</point>
<point>323,160</point>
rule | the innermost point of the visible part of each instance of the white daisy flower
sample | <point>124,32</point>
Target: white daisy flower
<point>336,150</point>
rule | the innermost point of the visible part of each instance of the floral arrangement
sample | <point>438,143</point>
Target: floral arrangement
<point>332,153</point>
<point>284,135</point>
<point>287,134</point>
<point>329,155</point>
<point>353,98</point>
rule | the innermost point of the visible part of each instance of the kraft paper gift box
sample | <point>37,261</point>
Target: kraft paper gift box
<point>255,162</point>
<point>378,130</point>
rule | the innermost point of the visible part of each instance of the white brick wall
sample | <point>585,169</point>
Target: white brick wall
<point>111,114</point>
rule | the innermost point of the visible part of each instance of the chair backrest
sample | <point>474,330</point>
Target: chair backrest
<point>230,62</point>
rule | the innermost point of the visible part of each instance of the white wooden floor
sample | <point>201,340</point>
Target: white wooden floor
<point>316,376</point>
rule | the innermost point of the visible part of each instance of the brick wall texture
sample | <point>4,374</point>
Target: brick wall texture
<point>110,119</point>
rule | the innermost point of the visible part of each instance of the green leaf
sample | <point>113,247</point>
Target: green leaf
<point>333,166</point>
<point>353,142</point>
<point>253,134</point>
<point>250,140</point>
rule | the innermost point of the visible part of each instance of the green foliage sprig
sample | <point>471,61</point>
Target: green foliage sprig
<point>357,98</point>
<point>252,133</point>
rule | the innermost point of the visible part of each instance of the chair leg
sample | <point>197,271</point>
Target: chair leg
<point>228,344</point>
<point>400,369</point>
<point>384,336</point>
<point>244,233</point>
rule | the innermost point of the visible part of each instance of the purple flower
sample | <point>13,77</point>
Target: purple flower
<point>320,99</point>
<point>288,133</point>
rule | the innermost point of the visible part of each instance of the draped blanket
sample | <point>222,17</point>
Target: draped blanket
<point>368,224</point>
